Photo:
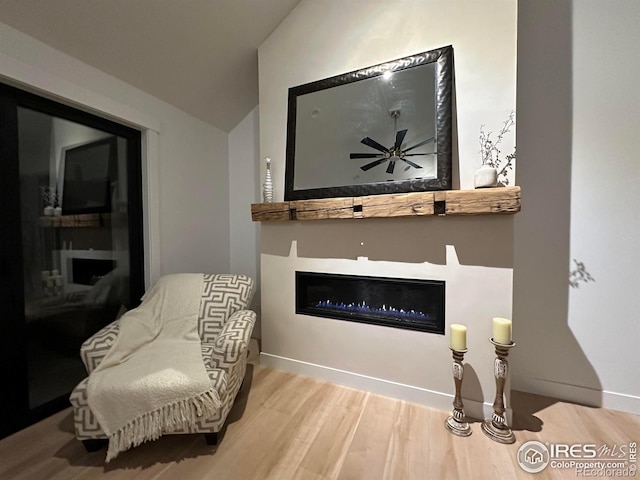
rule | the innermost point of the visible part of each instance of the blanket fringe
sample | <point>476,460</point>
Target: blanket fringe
<point>152,425</point>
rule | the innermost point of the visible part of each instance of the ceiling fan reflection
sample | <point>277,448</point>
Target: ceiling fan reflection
<point>393,154</point>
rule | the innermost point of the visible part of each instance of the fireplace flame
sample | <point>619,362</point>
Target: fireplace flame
<point>363,308</point>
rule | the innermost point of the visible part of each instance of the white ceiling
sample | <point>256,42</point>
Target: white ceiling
<point>198,55</point>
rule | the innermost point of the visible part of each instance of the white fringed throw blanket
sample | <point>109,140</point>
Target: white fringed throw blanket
<point>153,380</point>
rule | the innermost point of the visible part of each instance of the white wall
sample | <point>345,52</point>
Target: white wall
<point>578,117</point>
<point>188,196</point>
<point>194,197</point>
<point>245,188</point>
<point>325,38</point>
<point>474,255</point>
<point>605,193</point>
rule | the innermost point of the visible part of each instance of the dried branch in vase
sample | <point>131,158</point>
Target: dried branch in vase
<point>49,196</point>
<point>490,149</point>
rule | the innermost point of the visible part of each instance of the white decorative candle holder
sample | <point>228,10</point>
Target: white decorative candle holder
<point>456,423</point>
<point>496,428</point>
<point>267,187</point>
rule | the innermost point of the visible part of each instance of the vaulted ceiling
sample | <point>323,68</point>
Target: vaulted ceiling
<point>198,55</point>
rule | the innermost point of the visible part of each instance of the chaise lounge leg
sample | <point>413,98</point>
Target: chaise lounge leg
<point>94,444</point>
<point>211,438</point>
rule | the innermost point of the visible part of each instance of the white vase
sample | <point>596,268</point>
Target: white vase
<point>267,186</point>
<point>485,177</point>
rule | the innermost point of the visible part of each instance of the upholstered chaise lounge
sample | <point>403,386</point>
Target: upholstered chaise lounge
<point>224,326</point>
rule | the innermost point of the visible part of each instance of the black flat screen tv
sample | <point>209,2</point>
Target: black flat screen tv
<point>88,172</point>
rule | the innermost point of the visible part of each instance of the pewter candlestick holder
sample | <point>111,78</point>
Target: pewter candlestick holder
<point>497,428</point>
<point>455,423</point>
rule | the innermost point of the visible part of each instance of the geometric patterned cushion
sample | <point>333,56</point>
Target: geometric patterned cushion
<point>78,397</point>
<point>233,340</point>
<point>85,423</point>
<point>95,348</point>
<point>223,295</point>
<point>207,355</point>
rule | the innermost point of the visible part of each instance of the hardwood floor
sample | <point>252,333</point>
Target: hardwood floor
<point>286,426</point>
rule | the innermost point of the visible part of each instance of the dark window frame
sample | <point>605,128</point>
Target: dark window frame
<point>13,366</point>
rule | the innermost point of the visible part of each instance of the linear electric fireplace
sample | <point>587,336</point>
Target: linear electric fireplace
<point>393,302</point>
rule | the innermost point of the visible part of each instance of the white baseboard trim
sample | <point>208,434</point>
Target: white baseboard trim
<point>582,395</point>
<point>380,386</point>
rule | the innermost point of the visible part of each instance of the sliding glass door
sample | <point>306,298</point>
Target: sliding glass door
<point>71,257</point>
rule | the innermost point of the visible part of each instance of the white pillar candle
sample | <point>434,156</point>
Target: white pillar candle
<point>502,331</point>
<point>45,274</point>
<point>458,340</point>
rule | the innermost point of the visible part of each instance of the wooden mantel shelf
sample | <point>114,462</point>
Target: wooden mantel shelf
<point>500,200</point>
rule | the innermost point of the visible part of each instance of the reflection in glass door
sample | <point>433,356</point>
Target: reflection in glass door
<point>78,225</point>
<point>75,243</point>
